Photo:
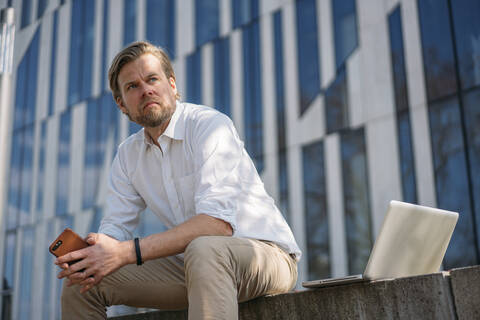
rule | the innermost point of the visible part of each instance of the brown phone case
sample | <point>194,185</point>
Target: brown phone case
<point>66,242</point>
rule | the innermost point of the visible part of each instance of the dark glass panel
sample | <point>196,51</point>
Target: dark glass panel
<point>42,5</point>
<point>91,153</point>
<point>41,169</point>
<point>253,115</point>
<point>26,265</point>
<point>356,199</point>
<point>129,21</point>
<point>398,60</point>
<point>437,47</point>
<point>336,103</point>
<point>467,38</point>
<point>76,44</point>
<point>8,276</point>
<point>407,164</point>
<point>96,219</point>
<point>161,24</point>
<point>31,88</point>
<point>133,127</point>
<point>345,27</point>
<point>63,166</point>
<point>20,94</point>
<point>194,79</point>
<point>104,46</point>
<point>471,104</point>
<point>14,184</point>
<point>88,34</point>
<point>27,174</point>
<point>206,21</point>
<point>53,68</point>
<point>280,108</point>
<point>315,195</point>
<point>244,11</point>
<point>451,180</point>
<point>50,269</point>
<point>26,13</point>
<point>307,51</point>
<point>222,75</point>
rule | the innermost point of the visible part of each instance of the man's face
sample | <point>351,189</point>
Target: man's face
<point>147,96</point>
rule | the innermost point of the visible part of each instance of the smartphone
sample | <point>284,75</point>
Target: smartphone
<point>66,242</point>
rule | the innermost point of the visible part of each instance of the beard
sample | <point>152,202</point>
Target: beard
<point>153,117</point>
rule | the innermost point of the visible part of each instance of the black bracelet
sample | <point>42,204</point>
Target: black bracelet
<point>137,251</point>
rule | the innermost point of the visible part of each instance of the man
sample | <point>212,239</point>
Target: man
<point>226,241</point>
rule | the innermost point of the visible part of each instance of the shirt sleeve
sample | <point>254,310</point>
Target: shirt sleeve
<point>123,204</point>
<point>218,152</point>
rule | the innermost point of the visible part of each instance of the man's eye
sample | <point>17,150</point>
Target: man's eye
<point>152,79</point>
<point>131,86</point>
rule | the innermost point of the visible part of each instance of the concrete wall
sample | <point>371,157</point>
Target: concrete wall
<point>447,295</point>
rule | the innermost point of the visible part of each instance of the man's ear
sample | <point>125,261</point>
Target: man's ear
<point>120,105</point>
<point>173,84</point>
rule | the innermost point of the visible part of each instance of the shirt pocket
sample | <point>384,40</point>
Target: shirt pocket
<point>186,194</point>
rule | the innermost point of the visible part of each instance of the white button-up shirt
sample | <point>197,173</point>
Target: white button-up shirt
<point>201,167</point>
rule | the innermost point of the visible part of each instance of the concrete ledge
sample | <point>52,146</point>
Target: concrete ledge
<point>433,296</point>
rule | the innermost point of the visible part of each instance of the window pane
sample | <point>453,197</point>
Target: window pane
<point>336,103</point>
<point>105,31</point>
<point>206,21</point>
<point>315,196</point>
<point>467,37</point>
<point>8,276</point>
<point>194,79</point>
<point>437,48</point>
<point>244,11</point>
<point>407,165</point>
<point>356,199</point>
<point>129,21</point>
<point>25,298</point>
<point>345,27</point>
<point>222,75</point>
<point>50,272</point>
<point>91,171</point>
<point>307,46</point>
<point>161,24</point>
<point>253,115</point>
<point>471,102</point>
<point>14,185</point>
<point>63,170</point>
<point>27,175</point>
<point>53,68</point>
<point>451,179</point>
<point>20,94</point>
<point>42,5</point>
<point>26,13</point>
<point>88,32</point>
<point>281,122</point>
<point>76,44</point>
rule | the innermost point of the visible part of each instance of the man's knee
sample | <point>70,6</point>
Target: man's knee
<point>206,250</point>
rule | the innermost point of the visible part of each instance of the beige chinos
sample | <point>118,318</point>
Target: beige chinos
<point>217,273</point>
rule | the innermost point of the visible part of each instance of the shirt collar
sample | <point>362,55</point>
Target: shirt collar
<point>176,126</point>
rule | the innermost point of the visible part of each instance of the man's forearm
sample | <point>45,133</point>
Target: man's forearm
<point>176,240</point>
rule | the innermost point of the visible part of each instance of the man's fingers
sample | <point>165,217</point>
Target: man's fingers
<point>72,256</point>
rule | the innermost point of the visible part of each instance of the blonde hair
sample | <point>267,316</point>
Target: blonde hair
<point>131,53</point>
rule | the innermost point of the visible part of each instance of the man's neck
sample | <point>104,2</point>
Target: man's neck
<point>155,132</point>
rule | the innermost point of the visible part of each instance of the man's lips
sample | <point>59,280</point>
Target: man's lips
<point>150,104</point>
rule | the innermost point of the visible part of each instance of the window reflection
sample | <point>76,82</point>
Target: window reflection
<point>222,84</point>
<point>25,297</point>
<point>437,48</point>
<point>451,179</point>
<point>244,11</point>
<point>53,65</point>
<point>316,218</point>
<point>129,21</point>
<point>472,123</point>
<point>345,27</point>
<point>252,86</point>
<point>467,40</point>
<point>26,13</point>
<point>105,31</point>
<point>8,275</point>
<point>161,24</point>
<point>402,107</point>
<point>27,175</point>
<point>281,123</point>
<point>336,103</point>
<point>81,51</point>
<point>14,185</point>
<point>307,51</point>
<point>356,199</point>
<point>194,80</point>
<point>206,21</point>
<point>63,166</point>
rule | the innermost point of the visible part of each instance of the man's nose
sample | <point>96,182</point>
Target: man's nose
<point>147,89</point>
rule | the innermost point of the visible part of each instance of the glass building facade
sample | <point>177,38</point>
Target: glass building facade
<point>340,107</point>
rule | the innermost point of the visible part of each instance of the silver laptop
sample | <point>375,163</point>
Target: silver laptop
<point>412,241</point>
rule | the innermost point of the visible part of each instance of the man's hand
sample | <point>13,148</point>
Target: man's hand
<point>104,256</point>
